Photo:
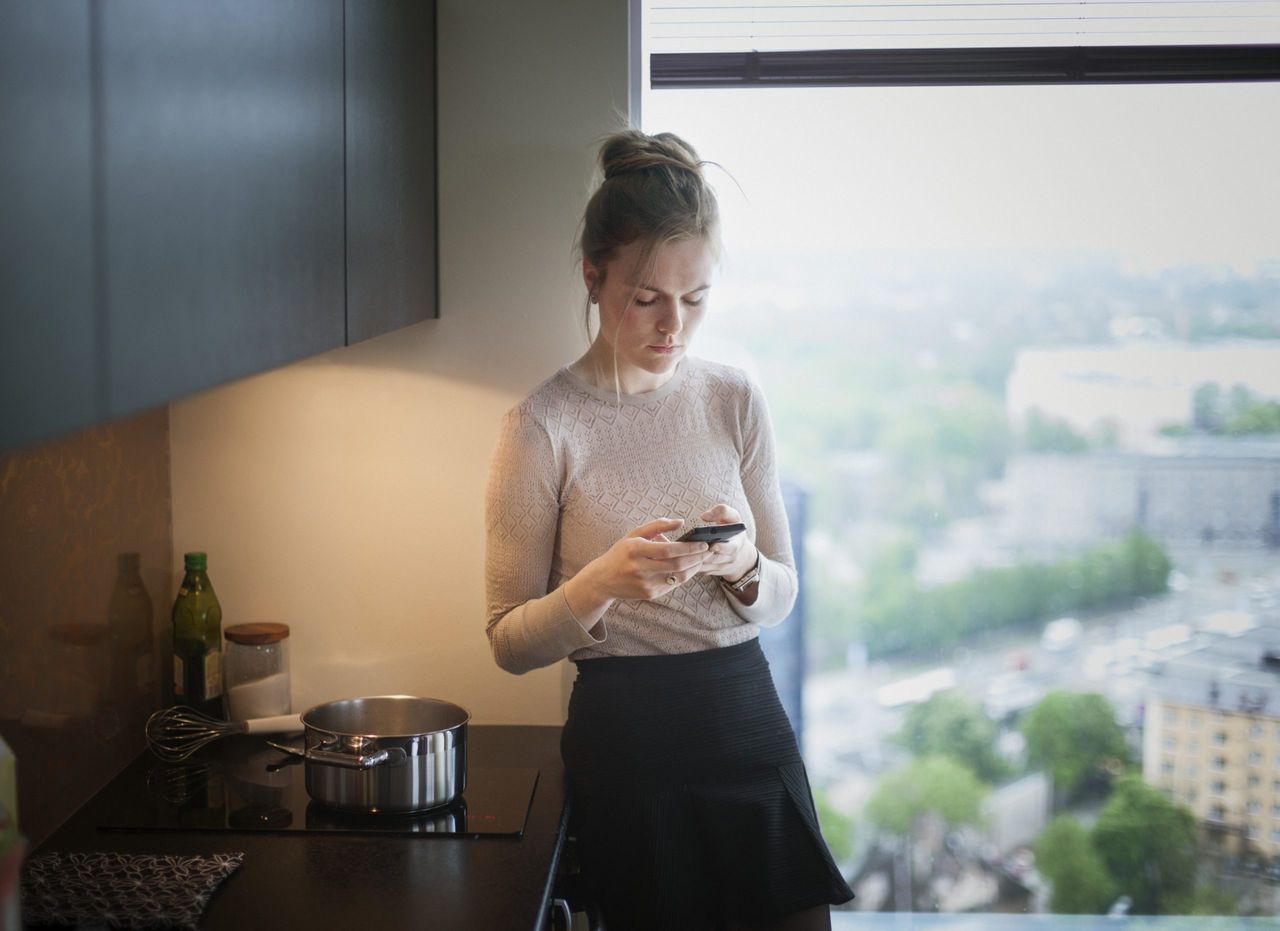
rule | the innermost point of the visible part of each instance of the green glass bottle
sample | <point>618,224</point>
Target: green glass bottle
<point>197,640</point>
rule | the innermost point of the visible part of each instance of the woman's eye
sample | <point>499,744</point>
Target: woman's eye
<point>694,301</point>
<point>646,302</point>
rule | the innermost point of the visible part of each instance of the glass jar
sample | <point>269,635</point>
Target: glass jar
<point>256,671</point>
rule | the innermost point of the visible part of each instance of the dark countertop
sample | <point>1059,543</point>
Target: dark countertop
<point>302,879</point>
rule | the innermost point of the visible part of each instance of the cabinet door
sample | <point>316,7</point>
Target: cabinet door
<point>48,333</point>
<point>223,190</point>
<point>391,165</point>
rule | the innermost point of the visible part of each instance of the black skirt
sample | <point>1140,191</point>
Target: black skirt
<point>691,801</point>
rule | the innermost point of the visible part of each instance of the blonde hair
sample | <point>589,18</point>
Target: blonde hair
<point>653,191</point>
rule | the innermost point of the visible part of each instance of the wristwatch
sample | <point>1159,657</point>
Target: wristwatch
<point>751,578</point>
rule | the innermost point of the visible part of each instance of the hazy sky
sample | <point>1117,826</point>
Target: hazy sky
<point>1158,175</point>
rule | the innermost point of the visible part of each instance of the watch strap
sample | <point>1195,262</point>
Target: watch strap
<point>752,576</point>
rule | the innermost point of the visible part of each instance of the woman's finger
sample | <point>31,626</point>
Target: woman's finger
<point>721,514</point>
<point>657,527</point>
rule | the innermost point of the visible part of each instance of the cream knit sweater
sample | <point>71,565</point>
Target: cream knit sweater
<point>576,468</point>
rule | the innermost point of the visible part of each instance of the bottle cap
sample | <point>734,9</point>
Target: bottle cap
<point>256,633</point>
<point>197,562</point>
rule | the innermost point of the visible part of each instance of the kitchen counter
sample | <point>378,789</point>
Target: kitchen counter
<point>304,879</point>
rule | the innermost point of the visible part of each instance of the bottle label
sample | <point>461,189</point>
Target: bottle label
<point>213,674</point>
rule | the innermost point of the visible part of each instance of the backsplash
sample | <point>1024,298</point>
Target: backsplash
<point>86,580</point>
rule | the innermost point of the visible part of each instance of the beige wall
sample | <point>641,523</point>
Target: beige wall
<point>343,495</point>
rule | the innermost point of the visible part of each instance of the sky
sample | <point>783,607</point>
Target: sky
<point>1157,175</point>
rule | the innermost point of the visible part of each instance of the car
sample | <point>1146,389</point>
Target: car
<point>1061,634</point>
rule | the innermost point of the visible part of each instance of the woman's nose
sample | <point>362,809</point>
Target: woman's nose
<point>671,321</point>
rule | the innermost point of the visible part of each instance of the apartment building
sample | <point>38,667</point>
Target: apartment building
<point>1212,737</point>
<point>1222,490</point>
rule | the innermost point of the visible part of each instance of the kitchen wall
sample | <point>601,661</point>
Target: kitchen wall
<point>344,495</point>
<point>82,644</point>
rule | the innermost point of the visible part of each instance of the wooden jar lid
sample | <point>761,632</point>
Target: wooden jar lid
<point>257,633</point>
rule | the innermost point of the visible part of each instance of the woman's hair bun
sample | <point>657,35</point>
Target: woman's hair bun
<point>653,192</point>
<point>631,150</point>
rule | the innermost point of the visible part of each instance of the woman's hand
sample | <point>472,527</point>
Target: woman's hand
<point>732,558</point>
<point>642,565</point>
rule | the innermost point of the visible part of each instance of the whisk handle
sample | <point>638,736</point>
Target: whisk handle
<point>280,724</point>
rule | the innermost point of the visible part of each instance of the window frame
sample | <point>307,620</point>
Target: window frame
<point>936,67</point>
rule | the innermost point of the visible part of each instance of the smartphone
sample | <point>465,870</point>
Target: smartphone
<point>712,533</point>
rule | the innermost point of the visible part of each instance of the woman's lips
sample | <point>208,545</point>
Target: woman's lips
<point>664,350</point>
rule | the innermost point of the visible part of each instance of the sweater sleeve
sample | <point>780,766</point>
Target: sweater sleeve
<point>779,583</point>
<point>528,626</point>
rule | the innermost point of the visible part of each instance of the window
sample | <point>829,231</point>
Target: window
<point>1255,731</point>
<point>1254,808</point>
<point>1254,781</point>
<point>1217,813</point>
<point>907,279</point>
<point>1255,758</point>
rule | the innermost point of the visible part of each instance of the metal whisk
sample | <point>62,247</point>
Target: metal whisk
<point>175,733</point>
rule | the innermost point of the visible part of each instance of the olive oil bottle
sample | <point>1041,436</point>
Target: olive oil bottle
<point>197,640</point>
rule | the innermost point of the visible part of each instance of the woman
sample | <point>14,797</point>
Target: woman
<point>691,804</point>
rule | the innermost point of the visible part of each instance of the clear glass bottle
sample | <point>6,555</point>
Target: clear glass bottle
<point>197,640</point>
<point>256,671</point>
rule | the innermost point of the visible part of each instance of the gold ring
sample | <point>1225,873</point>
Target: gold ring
<point>671,580</point>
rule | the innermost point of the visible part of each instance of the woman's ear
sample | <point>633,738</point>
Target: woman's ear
<point>593,278</point>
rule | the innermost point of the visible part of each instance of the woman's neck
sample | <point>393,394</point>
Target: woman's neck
<point>596,367</point>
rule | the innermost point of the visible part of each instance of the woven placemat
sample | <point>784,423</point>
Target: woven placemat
<point>120,890</point>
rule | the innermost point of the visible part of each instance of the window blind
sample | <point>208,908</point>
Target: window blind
<point>729,26</point>
<point>731,43</point>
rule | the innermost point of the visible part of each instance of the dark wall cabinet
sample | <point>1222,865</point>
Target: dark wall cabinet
<point>204,190</point>
<point>391,166</point>
<point>49,340</point>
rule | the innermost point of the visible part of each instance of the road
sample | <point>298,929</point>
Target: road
<point>847,729</point>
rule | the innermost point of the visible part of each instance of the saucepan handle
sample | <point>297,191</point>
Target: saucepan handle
<point>389,756</point>
<point>280,724</point>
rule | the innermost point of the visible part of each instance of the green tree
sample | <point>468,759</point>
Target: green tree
<point>1206,407</point>
<point>1074,735</point>
<point>951,725</point>
<point>1044,434</point>
<point>838,829</point>
<point>1148,845</point>
<point>1258,417</point>
<point>927,785</point>
<point>1068,859</point>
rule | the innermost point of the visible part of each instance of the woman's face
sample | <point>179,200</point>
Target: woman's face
<point>648,317</point>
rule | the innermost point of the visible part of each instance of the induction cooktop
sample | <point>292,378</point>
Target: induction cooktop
<point>243,785</point>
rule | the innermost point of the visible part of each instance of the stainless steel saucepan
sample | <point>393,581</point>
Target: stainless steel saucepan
<point>389,753</point>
